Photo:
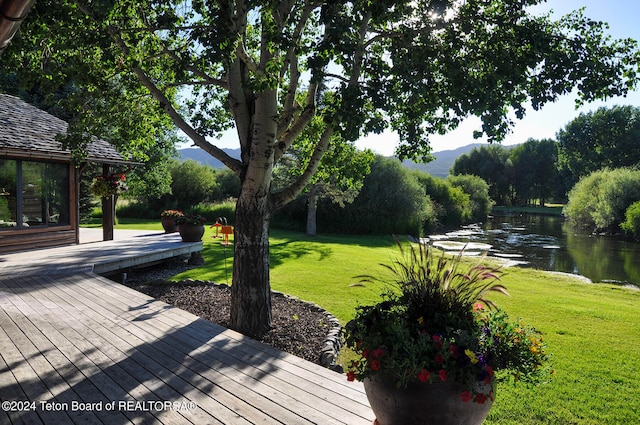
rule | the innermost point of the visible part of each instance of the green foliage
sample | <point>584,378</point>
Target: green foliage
<point>478,191</point>
<point>518,175</point>
<point>492,164</point>
<point>228,185</point>
<point>390,202</point>
<point>429,326</point>
<point>133,209</point>
<point>631,223</point>
<point>223,211</point>
<point>607,138</point>
<point>535,172</point>
<point>599,201</point>
<point>191,184</point>
<point>451,205</point>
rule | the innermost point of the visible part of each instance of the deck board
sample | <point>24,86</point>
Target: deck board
<point>80,337</point>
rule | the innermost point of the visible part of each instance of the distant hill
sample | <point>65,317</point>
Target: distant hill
<point>438,167</point>
<point>204,158</point>
<point>443,162</point>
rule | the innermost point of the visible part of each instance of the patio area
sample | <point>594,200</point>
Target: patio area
<point>129,248</point>
<point>79,348</point>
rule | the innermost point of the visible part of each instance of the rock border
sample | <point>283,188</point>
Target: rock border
<point>333,340</point>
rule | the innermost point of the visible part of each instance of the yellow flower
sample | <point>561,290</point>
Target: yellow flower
<point>421,320</point>
<point>471,356</point>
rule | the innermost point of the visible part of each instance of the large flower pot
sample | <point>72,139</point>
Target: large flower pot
<point>437,403</point>
<point>191,232</point>
<point>169,224</point>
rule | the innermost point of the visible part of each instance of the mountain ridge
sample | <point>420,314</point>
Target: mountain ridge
<point>439,167</point>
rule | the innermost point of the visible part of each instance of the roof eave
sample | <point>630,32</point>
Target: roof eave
<point>12,13</point>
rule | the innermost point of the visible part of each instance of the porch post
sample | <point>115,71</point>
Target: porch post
<point>108,211</point>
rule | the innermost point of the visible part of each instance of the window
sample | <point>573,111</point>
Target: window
<point>43,198</point>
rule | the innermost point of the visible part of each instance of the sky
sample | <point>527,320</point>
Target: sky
<point>622,16</point>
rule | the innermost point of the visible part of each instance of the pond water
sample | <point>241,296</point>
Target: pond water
<point>548,243</point>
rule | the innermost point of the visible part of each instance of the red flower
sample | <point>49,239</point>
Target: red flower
<point>443,375</point>
<point>375,364</point>
<point>378,352</point>
<point>489,370</point>
<point>467,396</point>
<point>365,354</point>
<point>424,375</point>
<point>481,398</point>
<point>439,359</point>
<point>351,376</point>
<point>454,350</point>
<point>438,340</point>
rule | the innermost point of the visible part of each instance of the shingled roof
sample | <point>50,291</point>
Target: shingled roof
<point>26,131</point>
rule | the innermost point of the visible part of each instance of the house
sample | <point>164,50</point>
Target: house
<point>39,183</point>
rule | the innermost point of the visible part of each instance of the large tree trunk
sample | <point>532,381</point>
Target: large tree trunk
<point>251,290</point>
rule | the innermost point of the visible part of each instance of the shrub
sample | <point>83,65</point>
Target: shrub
<point>219,210</point>
<point>631,224</point>
<point>451,205</point>
<point>478,191</point>
<point>599,201</point>
<point>192,183</point>
<point>134,209</point>
<point>390,201</point>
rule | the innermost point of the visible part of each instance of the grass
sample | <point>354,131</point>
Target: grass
<point>592,330</point>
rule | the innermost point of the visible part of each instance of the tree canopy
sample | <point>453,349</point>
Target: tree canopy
<point>607,137</point>
<point>267,68</point>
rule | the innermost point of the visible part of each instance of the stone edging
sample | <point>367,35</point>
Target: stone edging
<point>332,342</point>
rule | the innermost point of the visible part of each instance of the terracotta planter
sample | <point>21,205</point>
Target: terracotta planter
<point>191,232</point>
<point>169,224</point>
<point>437,403</point>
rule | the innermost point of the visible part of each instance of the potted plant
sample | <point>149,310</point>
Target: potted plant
<point>168,220</point>
<point>111,184</point>
<point>191,227</point>
<point>432,350</point>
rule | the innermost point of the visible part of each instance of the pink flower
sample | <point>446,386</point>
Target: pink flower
<point>443,375</point>
<point>424,375</point>
<point>466,396</point>
<point>478,307</point>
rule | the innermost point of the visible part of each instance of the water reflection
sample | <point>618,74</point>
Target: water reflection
<point>548,243</point>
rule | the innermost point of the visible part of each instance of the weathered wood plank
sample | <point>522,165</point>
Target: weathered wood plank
<point>84,338</point>
<point>29,367</point>
<point>117,346</point>
<point>260,409</point>
<point>302,378</point>
<point>70,336</point>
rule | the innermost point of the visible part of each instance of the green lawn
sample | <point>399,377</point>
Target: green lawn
<point>593,330</point>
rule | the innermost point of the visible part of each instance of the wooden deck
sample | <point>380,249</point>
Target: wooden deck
<point>78,348</point>
<point>131,250</point>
